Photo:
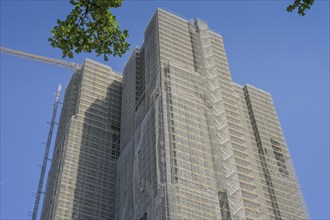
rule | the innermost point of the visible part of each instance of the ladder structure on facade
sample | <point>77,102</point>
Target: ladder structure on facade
<point>215,100</point>
<point>45,160</point>
<point>52,61</point>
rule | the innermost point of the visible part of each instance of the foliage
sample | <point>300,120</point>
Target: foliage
<point>301,5</point>
<point>90,26</point>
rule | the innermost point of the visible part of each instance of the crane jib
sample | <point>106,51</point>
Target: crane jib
<point>38,58</point>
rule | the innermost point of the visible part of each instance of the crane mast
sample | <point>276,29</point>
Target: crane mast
<point>44,163</point>
<point>47,60</point>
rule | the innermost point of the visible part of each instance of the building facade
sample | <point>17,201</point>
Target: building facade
<point>193,144</point>
<point>81,181</point>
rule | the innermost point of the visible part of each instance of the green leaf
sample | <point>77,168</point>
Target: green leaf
<point>90,26</point>
<point>301,5</point>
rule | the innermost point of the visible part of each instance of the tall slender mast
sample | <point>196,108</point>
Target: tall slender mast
<point>44,163</point>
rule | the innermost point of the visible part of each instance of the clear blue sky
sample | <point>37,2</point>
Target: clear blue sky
<point>267,47</point>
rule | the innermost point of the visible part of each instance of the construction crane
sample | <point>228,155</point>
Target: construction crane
<point>56,62</point>
<point>44,162</point>
<point>41,59</point>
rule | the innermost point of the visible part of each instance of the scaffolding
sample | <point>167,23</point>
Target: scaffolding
<point>193,144</point>
<point>208,164</point>
<point>46,155</point>
<point>218,118</point>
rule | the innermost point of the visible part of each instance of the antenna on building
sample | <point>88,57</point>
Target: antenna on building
<point>45,160</point>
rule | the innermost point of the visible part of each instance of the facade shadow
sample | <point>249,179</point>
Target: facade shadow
<point>94,194</point>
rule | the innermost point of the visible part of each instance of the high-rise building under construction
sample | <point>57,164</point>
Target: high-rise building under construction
<point>193,144</point>
<point>82,178</point>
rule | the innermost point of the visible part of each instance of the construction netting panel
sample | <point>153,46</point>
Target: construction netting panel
<point>137,174</point>
<point>193,187</point>
<point>141,163</point>
<point>194,146</point>
<point>124,189</point>
<point>278,177</point>
<point>87,146</point>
